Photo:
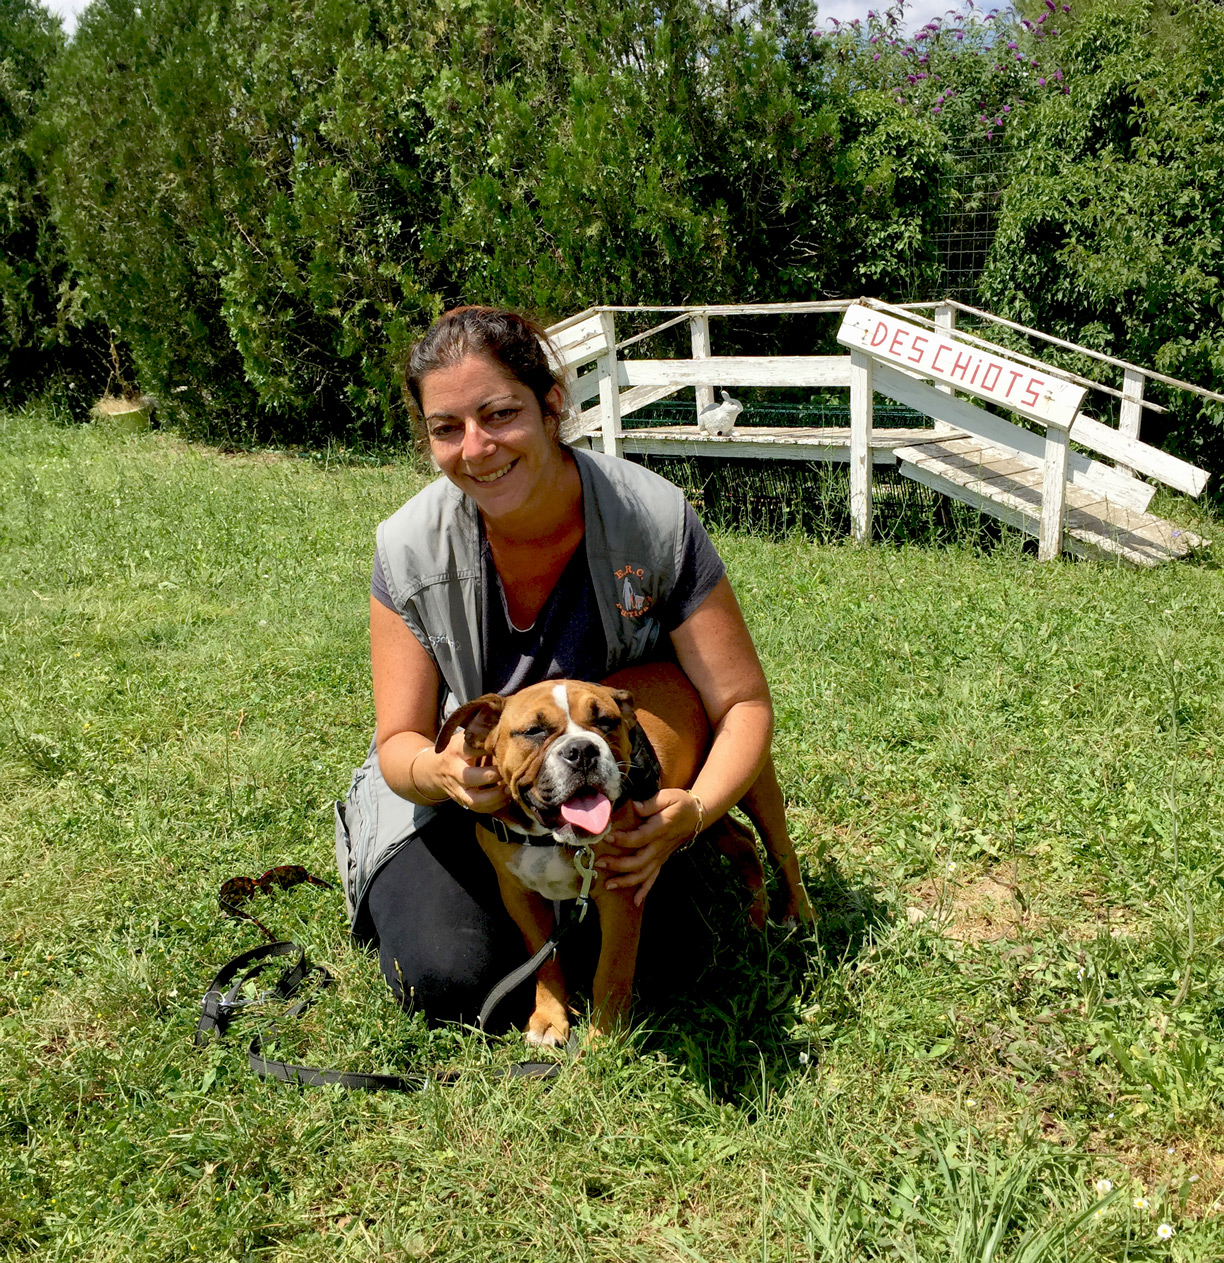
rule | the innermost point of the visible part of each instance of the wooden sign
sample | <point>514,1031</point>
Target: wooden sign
<point>1020,387</point>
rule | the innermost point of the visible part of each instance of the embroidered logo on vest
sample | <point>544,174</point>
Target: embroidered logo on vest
<point>633,604</point>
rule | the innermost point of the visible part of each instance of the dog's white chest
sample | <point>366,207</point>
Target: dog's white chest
<point>548,870</point>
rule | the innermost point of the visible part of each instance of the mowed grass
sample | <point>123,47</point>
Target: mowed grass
<point>1001,778</point>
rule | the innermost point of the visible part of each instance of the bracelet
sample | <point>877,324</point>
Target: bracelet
<point>700,821</point>
<point>412,780</point>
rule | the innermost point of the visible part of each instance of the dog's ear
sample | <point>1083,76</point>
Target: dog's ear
<point>624,699</point>
<point>478,718</point>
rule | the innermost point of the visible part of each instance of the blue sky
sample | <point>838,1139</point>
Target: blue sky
<point>920,11</point>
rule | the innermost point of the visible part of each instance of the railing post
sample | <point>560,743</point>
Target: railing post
<point>945,322</point>
<point>699,327</point>
<point>609,388</point>
<point>1053,493</point>
<point>1131,413</point>
<point>860,446</point>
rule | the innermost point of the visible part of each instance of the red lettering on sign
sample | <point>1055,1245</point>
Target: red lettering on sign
<point>943,346</point>
<point>893,348</point>
<point>1011,385</point>
<point>917,346</point>
<point>976,370</point>
<point>957,367</point>
<point>881,332</point>
<point>997,370</point>
<point>1035,383</point>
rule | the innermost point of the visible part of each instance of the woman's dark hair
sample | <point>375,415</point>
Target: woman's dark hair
<point>514,342</point>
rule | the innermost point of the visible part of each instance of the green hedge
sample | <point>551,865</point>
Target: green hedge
<point>266,202</point>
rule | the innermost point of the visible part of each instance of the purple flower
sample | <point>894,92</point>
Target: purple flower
<point>1049,4</point>
<point>1058,76</point>
<point>1024,22</point>
<point>1041,83</point>
<point>989,135</point>
<point>910,79</point>
<point>922,76</point>
<point>981,118</point>
<point>875,56</point>
<point>1012,45</point>
<point>1042,18</point>
<point>920,36</point>
<point>936,110</point>
<point>1007,109</point>
<point>1066,8</point>
<point>1033,63</point>
<point>998,122</point>
<point>871,12</point>
<point>873,39</point>
<point>960,35</point>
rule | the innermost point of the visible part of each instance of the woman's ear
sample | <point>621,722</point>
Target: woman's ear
<point>554,404</point>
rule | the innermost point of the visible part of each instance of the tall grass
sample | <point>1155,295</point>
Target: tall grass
<point>1002,1004</point>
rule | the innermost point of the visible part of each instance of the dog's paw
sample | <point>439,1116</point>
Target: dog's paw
<point>547,1031</point>
<point>798,911</point>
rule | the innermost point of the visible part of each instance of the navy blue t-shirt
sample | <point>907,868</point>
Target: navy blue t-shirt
<point>567,639</point>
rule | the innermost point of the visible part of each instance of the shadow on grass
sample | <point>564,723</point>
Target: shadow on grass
<point>755,1016</point>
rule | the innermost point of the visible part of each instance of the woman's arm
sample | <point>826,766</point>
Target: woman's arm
<point>715,651</point>
<point>406,685</point>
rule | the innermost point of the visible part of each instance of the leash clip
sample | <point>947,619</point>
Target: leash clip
<point>587,872</point>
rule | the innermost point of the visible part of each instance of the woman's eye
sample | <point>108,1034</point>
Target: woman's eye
<point>443,432</point>
<point>503,414</point>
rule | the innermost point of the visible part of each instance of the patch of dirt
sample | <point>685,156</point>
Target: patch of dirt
<point>973,910</point>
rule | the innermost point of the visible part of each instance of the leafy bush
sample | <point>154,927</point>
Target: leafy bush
<point>31,264</point>
<point>1112,226</point>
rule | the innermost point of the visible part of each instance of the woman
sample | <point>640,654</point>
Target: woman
<point>528,560</point>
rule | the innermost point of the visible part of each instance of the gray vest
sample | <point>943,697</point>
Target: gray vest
<point>634,523</point>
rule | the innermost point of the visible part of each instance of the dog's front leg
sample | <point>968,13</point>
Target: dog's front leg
<point>620,922</point>
<point>533,914</point>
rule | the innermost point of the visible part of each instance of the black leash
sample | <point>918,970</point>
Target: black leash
<point>224,999</point>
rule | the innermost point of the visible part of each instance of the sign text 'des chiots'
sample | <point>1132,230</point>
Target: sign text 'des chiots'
<point>1020,387</point>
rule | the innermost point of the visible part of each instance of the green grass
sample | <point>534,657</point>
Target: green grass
<point>1002,778</point>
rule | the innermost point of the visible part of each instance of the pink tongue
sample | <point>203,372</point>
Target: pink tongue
<point>588,811</point>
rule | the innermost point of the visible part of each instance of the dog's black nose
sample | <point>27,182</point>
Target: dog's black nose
<point>580,753</point>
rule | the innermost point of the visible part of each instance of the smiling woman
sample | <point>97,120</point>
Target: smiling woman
<point>511,569</point>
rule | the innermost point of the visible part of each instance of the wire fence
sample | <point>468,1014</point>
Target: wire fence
<point>968,226</point>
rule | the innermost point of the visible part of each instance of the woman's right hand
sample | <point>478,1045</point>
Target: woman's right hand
<point>456,773</point>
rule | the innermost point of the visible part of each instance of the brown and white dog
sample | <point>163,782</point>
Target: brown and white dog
<point>562,748</point>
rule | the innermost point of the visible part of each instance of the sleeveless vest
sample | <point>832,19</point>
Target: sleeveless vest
<point>634,533</point>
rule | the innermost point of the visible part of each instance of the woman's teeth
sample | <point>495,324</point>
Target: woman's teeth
<point>493,477</point>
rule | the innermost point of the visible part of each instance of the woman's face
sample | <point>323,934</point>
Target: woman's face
<point>488,435</point>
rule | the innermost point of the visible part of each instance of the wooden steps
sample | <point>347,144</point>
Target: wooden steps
<point>1007,484</point>
<point>773,442</point>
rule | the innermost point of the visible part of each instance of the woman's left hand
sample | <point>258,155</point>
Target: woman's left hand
<point>667,822</point>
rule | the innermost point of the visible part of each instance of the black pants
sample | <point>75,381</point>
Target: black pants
<point>445,938</point>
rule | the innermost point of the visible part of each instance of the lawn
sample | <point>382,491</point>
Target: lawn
<point>1004,1040</point>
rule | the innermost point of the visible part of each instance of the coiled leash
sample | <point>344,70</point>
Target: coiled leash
<point>224,998</point>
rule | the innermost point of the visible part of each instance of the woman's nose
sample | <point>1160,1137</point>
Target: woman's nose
<point>476,441</point>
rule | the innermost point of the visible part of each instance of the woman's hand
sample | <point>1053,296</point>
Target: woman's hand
<point>668,821</point>
<point>456,773</point>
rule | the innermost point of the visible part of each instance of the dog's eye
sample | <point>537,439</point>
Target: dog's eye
<point>537,732</point>
<point>607,723</point>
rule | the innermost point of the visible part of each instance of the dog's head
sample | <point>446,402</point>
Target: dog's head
<point>562,748</point>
